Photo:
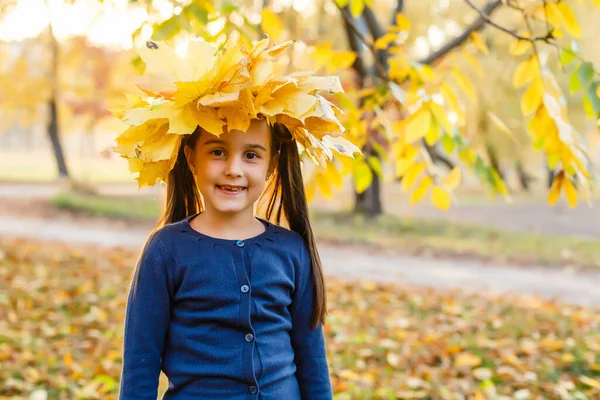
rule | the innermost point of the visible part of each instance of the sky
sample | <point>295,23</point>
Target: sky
<point>109,24</point>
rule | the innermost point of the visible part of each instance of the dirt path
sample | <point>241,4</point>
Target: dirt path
<point>528,215</point>
<point>352,263</point>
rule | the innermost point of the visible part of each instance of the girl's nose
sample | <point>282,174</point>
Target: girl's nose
<point>234,167</point>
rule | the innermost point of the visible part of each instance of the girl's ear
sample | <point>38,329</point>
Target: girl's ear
<point>189,156</point>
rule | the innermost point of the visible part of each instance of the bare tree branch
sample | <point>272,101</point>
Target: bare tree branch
<point>485,15</point>
<point>351,24</point>
<point>476,25</point>
<point>353,34</point>
<point>376,32</point>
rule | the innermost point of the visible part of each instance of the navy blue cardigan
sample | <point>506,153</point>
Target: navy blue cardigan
<point>223,319</point>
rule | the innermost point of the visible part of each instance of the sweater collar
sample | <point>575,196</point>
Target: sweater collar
<point>267,234</point>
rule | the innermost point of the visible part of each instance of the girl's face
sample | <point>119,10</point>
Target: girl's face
<point>231,170</point>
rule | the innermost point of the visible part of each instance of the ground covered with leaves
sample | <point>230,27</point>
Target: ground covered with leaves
<point>62,310</point>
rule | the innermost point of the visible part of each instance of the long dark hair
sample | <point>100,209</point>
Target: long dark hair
<point>283,201</point>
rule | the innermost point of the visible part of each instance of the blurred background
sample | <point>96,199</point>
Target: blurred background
<point>461,250</point>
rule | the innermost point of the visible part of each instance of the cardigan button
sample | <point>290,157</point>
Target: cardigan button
<point>245,288</point>
<point>240,243</point>
<point>252,389</point>
<point>249,337</point>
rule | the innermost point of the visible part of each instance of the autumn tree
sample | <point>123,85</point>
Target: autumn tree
<point>411,111</point>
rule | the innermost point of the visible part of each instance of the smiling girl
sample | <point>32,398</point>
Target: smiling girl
<point>227,303</point>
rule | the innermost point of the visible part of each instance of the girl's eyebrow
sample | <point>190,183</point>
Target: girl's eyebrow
<point>224,143</point>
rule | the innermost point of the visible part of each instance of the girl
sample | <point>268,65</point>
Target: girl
<point>228,304</point>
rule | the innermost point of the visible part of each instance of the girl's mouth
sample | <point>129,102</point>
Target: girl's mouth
<point>231,190</point>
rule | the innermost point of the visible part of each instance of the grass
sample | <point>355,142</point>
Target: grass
<point>414,236</point>
<point>446,238</point>
<point>130,208</point>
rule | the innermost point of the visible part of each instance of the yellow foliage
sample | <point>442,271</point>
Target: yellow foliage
<point>526,71</point>
<point>402,22</point>
<point>464,83</point>
<point>418,125</point>
<point>384,41</point>
<point>479,43</point>
<point>473,61</point>
<point>453,179</point>
<point>570,192</point>
<point>567,17</point>
<point>441,198</point>
<point>532,98</point>
<point>421,190</point>
<point>332,60</point>
<point>270,23</point>
<point>441,116</point>
<point>519,47</point>
<point>411,175</point>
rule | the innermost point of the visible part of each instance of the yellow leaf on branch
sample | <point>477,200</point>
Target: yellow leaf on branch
<point>441,198</point>
<point>570,192</point>
<point>555,188</point>
<point>384,41</point>
<point>421,190</point>
<point>411,175</point>
<point>324,185</point>
<point>568,19</point>
<point>271,24</point>
<point>402,22</point>
<point>452,180</point>
<point>519,47</point>
<point>418,125</point>
<point>464,83</point>
<point>479,43</point>
<point>441,117</point>
<point>526,71</point>
<point>473,61</point>
<point>533,96</point>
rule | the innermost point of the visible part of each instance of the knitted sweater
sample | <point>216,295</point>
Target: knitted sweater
<point>223,319</point>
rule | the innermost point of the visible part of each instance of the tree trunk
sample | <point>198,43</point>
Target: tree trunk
<point>53,123</point>
<point>369,201</point>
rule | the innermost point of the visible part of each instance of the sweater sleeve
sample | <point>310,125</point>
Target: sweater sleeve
<point>146,324</point>
<point>310,357</point>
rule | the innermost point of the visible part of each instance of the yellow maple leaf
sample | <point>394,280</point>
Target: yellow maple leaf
<point>270,23</point>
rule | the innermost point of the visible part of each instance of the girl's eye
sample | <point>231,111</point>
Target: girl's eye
<point>252,156</point>
<point>217,152</point>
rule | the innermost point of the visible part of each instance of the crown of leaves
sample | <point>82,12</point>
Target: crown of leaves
<point>218,90</point>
